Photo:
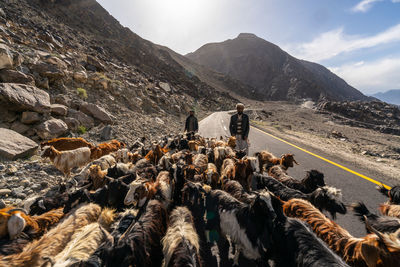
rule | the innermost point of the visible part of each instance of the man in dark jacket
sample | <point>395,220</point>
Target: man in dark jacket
<point>191,124</point>
<point>239,127</point>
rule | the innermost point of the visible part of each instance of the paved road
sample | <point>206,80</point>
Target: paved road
<point>354,188</point>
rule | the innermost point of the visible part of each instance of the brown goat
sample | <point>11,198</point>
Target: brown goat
<point>66,143</point>
<point>211,176</point>
<point>105,149</point>
<point>97,176</point>
<point>156,154</point>
<point>267,158</point>
<point>14,221</point>
<point>390,209</point>
<point>375,249</point>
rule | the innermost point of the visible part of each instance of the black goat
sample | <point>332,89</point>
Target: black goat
<point>249,226</point>
<point>313,180</point>
<point>393,193</point>
<point>324,198</point>
<point>384,224</point>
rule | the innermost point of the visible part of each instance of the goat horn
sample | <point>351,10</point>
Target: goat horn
<point>17,209</point>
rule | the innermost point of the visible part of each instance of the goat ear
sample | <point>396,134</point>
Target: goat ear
<point>16,224</point>
<point>370,254</point>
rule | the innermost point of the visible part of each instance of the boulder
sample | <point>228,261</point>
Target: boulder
<point>21,97</point>
<point>14,145</point>
<point>80,76</point>
<point>165,86</point>
<point>6,59</point>
<point>72,123</point>
<point>105,133</point>
<point>58,109</point>
<point>57,62</point>
<point>96,112</point>
<point>5,191</point>
<point>51,129</point>
<point>83,119</point>
<point>13,76</point>
<point>94,62</point>
<point>30,117</point>
<point>19,127</point>
<point>50,71</point>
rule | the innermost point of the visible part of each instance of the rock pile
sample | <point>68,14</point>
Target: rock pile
<point>376,115</point>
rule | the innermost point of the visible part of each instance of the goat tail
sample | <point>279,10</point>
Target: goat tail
<point>384,191</point>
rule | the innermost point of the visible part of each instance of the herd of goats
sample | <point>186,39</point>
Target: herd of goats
<point>186,200</point>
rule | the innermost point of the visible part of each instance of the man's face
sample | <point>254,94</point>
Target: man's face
<point>240,110</point>
<point>191,113</point>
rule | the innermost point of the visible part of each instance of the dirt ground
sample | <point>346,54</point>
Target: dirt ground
<point>302,124</point>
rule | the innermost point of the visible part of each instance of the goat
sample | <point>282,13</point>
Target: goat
<point>181,243</point>
<point>105,149</point>
<point>141,190</point>
<point>324,198</point>
<point>235,189</point>
<point>165,163</point>
<point>211,176</point>
<point>390,210</point>
<point>266,158</point>
<point>193,145</point>
<point>54,241</point>
<point>14,221</point>
<point>122,155</point>
<point>249,226</point>
<point>244,173</point>
<point>200,161</point>
<point>296,245</point>
<point>194,198</point>
<point>384,224</point>
<point>68,159</point>
<point>313,180</point>
<point>393,193</point>
<point>228,170</point>
<point>97,176</point>
<point>105,162</point>
<point>375,249</point>
<point>140,245</point>
<point>155,155</point>
<point>220,154</point>
<point>120,169</point>
<point>85,241</point>
<point>65,143</point>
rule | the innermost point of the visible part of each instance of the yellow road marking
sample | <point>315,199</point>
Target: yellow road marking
<point>327,160</point>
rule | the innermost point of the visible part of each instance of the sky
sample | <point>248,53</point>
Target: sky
<point>359,40</point>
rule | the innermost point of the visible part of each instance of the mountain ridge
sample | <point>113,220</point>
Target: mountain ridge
<point>275,74</point>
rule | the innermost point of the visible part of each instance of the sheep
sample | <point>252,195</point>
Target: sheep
<point>54,241</point>
<point>313,180</point>
<point>393,193</point>
<point>65,143</point>
<point>390,210</point>
<point>85,241</point>
<point>200,161</point>
<point>140,191</point>
<point>266,158</point>
<point>141,246</point>
<point>249,226</point>
<point>181,243</point>
<point>211,176</point>
<point>14,221</point>
<point>105,149</point>
<point>384,224</point>
<point>296,245</point>
<point>324,198</point>
<point>375,249</point>
<point>68,159</point>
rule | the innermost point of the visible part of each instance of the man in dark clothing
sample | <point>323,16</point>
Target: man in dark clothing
<point>191,124</point>
<point>239,127</point>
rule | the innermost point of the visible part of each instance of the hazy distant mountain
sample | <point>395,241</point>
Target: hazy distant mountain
<point>273,73</point>
<point>391,96</point>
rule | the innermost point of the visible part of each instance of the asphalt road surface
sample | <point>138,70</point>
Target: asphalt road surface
<point>354,188</point>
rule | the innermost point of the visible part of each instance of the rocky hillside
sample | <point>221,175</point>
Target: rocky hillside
<point>273,73</point>
<point>69,68</point>
<point>375,115</point>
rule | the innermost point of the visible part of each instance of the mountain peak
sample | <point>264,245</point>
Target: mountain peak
<point>247,35</point>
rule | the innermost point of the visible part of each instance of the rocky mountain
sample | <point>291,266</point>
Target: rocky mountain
<point>391,96</point>
<point>273,73</point>
<point>68,68</point>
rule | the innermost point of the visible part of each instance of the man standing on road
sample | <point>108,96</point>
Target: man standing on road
<point>239,127</point>
<point>191,124</point>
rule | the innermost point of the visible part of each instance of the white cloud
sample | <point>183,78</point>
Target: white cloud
<point>330,44</point>
<point>371,77</point>
<point>365,5</point>
<point>396,1</point>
